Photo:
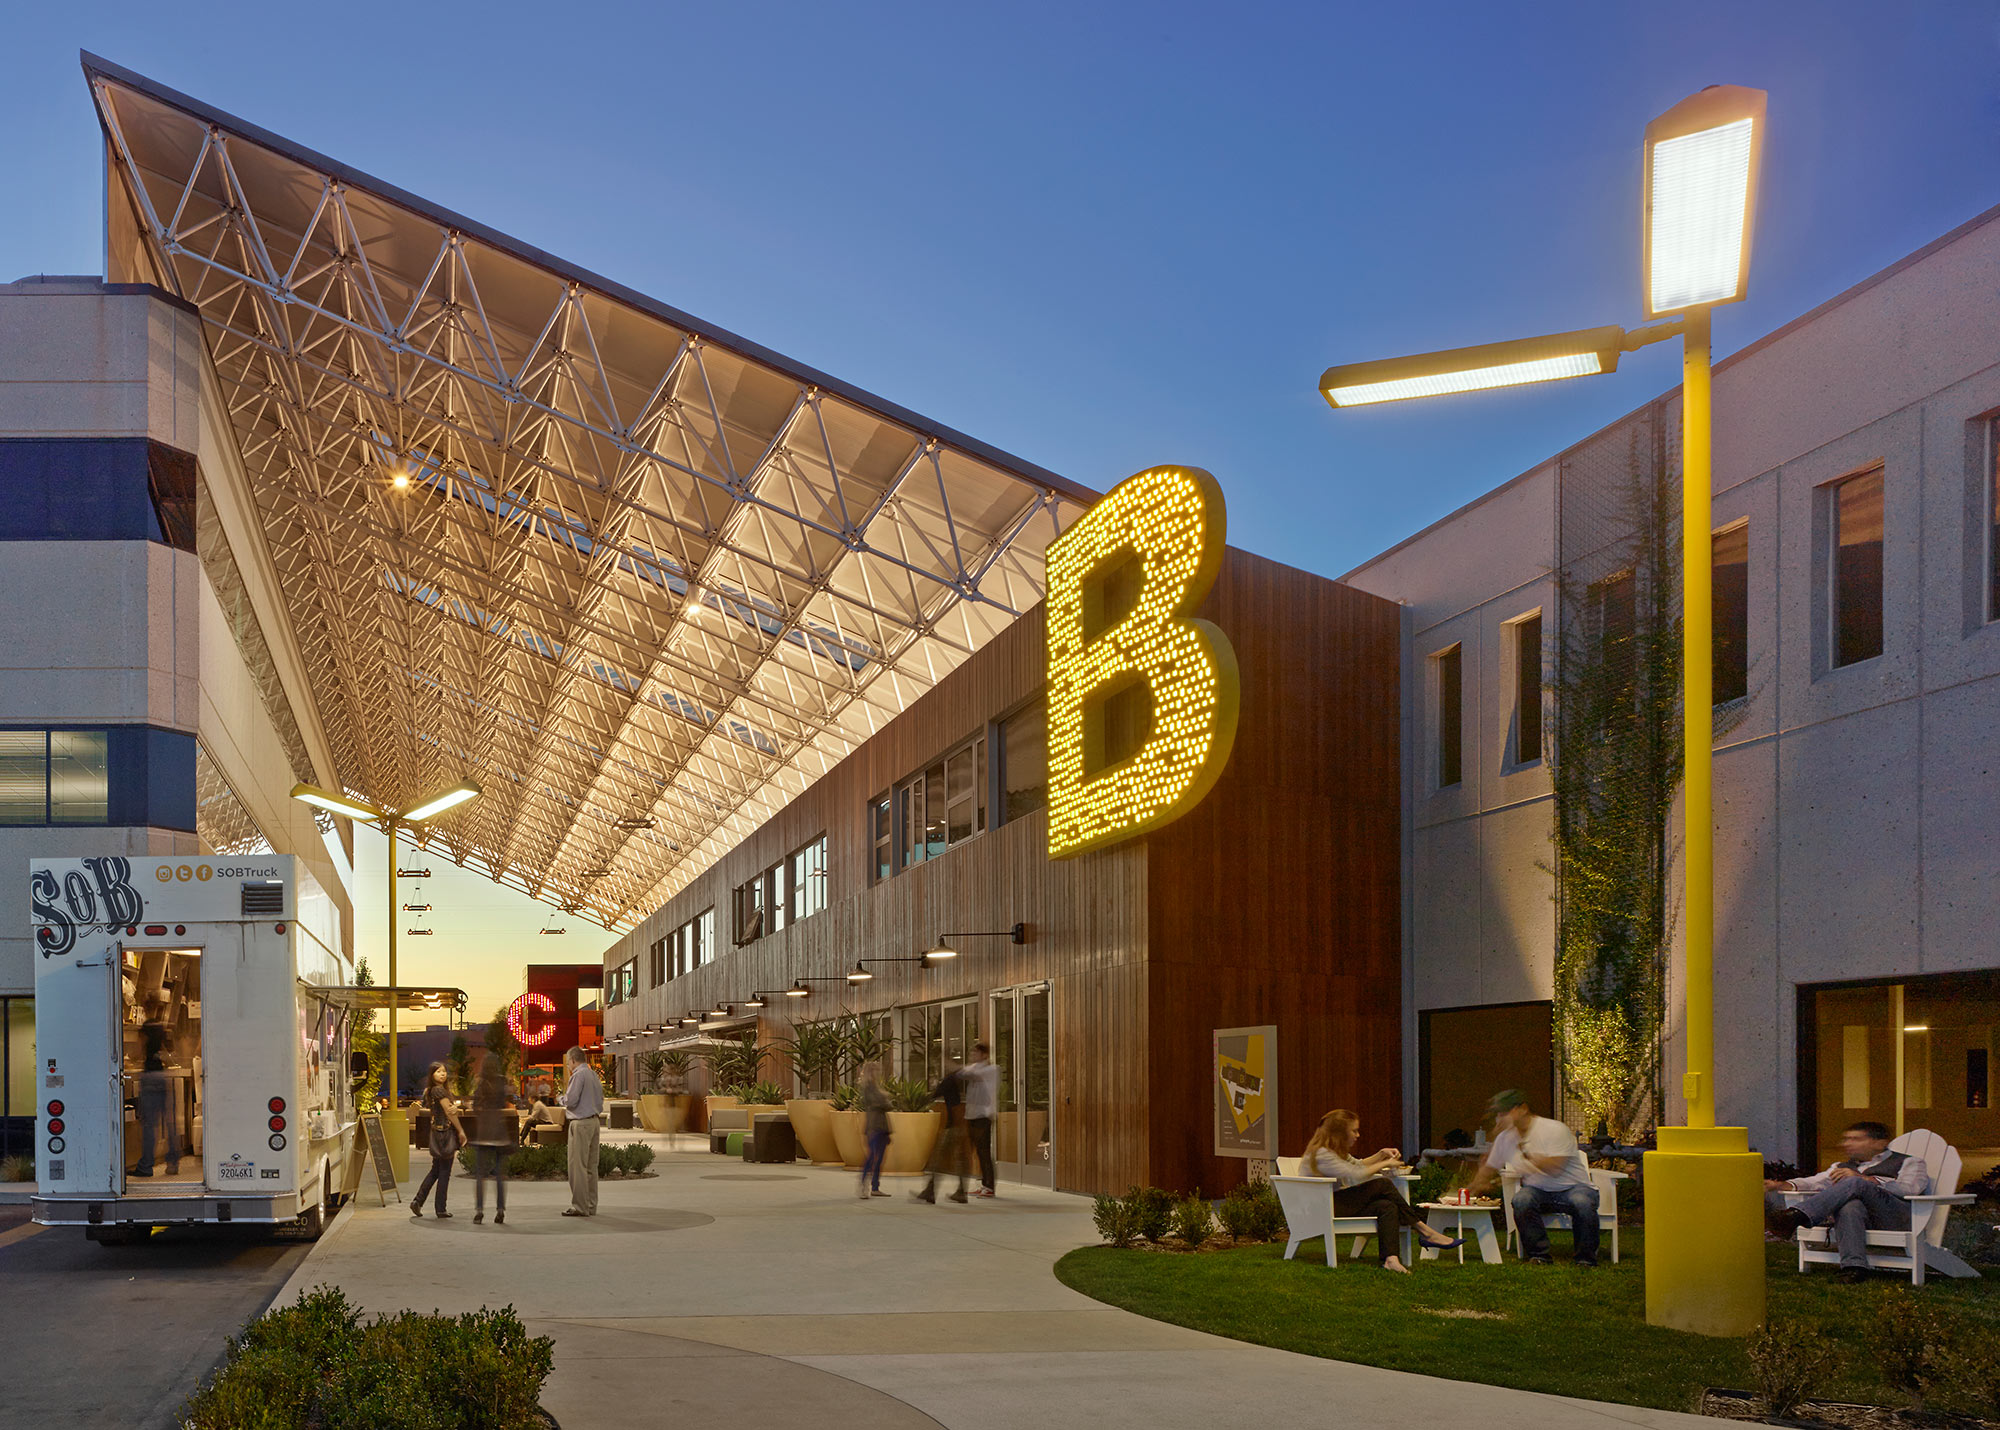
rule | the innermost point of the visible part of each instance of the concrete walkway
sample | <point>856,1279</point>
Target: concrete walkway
<point>721,1292</point>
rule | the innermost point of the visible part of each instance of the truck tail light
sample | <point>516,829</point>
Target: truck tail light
<point>55,1126</point>
<point>277,1124</point>
<point>276,1104</point>
<point>55,1107</point>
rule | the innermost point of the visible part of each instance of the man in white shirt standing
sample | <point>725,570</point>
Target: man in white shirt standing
<point>982,1105</point>
<point>583,1104</point>
<point>1866,1190</point>
<point>1543,1153</point>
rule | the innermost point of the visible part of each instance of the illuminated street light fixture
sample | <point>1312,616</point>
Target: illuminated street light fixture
<point>395,1126</point>
<point>859,973</point>
<point>943,949</point>
<point>798,990</point>
<point>1704,1271</point>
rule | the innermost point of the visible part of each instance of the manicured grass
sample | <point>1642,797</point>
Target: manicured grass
<point>1564,1331</point>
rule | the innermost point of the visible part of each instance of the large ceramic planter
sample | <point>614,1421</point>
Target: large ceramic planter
<point>812,1124</point>
<point>850,1138</point>
<point>653,1111</point>
<point>911,1137</point>
<point>676,1112</point>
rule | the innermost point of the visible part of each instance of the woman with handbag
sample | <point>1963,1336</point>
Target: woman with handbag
<point>447,1136</point>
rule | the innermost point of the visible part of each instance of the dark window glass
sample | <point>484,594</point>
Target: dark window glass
<point>24,777</point>
<point>1731,605</point>
<point>1857,568</point>
<point>934,812</point>
<point>1528,690</point>
<point>96,489</point>
<point>883,835</point>
<point>1975,1077</point>
<point>1449,718</point>
<point>1024,767</point>
<point>1993,521</point>
<point>127,775</point>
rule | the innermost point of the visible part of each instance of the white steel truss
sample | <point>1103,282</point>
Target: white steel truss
<point>644,580</point>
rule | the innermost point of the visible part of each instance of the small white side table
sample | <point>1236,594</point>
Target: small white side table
<point>1475,1219</point>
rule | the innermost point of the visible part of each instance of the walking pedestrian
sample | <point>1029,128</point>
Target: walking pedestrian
<point>156,1091</point>
<point>492,1141</point>
<point>447,1136</point>
<point>949,1153</point>
<point>583,1104</point>
<point>982,1105</point>
<point>875,1126</point>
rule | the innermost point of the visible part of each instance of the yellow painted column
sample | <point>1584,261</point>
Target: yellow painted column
<point>1704,1186</point>
<point>395,1126</point>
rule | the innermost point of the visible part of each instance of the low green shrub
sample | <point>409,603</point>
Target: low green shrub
<point>1113,1218</point>
<point>1917,1344</point>
<point>1237,1217</point>
<point>314,1364</point>
<point>1152,1212</point>
<point>1266,1217</point>
<point>1433,1179</point>
<point>1976,1373</point>
<point>1789,1359</point>
<point>1194,1220</point>
<point>846,1097</point>
<point>17,1169</point>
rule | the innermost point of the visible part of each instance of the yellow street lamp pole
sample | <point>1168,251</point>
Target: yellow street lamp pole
<point>395,1126</point>
<point>1704,1222</point>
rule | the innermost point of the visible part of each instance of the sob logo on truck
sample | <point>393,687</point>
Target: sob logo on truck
<point>103,898</point>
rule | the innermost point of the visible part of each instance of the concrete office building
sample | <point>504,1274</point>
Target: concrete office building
<point>1857,497</point>
<point>148,690</point>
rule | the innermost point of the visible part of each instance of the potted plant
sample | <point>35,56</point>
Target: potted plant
<point>816,1050</point>
<point>676,1062</point>
<point>913,1126</point>
<point>652,1102</point>
<point>849,1123</point>
<point>734,1066</point>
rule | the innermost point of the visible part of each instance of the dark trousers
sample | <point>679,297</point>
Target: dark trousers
<point>1378,1197</point>
<point>156,1110</point>
<point>488,1161</point>
<point>947,1156</point>
<point>1852,1204</point>
<point>980,1130</point>
<point>1579,1204</point>
<point>438,1176</point>
<point>871,1165</point>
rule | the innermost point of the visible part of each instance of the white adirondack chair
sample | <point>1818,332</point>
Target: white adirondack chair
<point>1308,1207</point>
<point>1922,1246</point>
<point>1607,1207</point>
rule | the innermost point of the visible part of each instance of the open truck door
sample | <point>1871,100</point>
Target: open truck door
<point>80,1147</point>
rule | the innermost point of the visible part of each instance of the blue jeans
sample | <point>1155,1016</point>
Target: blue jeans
<point>871,1165</point>
<point>1852,1204</point>
<point>1579,1204</point>
<point>156,1110</point>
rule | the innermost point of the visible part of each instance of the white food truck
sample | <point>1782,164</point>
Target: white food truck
<point>204,1001</point>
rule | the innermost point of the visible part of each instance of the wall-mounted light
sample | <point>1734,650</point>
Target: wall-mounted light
<point>859,973</point>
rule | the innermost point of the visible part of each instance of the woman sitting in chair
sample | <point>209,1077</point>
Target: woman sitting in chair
<point>1363,1191</point>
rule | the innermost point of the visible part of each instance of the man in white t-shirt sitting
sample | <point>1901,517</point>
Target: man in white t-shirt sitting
<point>1543,1153</point>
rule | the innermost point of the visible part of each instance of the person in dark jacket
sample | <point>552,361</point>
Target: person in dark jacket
<point>447,1136</point>
<point>950,1149</point>
<point>156,1091</point>
<point>874,1104</point>
<point>492,1141</point>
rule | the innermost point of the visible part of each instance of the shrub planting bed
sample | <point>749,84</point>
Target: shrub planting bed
<point>551,1163</point>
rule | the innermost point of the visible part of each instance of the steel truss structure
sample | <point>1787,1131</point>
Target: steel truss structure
<point>642,579</point>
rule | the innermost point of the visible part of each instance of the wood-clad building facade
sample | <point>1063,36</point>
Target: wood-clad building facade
<point>1274,901</point>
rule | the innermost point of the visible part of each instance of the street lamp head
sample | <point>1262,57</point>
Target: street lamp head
<point>1699,198</point>
<point>1510,364</point>
<point>337,803</point>
<point>437,804</point>
<point>798,990</point>
<point>859,973</point>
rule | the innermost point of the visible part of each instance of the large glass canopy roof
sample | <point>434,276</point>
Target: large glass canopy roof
<point>642,579</point>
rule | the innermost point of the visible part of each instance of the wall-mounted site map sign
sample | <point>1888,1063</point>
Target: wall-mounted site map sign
<point>1246,1092</point>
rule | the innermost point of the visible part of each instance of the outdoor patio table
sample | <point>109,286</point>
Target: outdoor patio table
<point>1479,1219</point>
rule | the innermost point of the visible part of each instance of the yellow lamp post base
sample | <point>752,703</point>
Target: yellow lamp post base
<point>1705,1231</point>
<point>396,1134</point>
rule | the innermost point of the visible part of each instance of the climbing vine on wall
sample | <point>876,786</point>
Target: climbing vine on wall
<point>1615,767</point>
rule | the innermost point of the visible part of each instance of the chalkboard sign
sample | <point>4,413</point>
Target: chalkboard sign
<point>378,1153</point>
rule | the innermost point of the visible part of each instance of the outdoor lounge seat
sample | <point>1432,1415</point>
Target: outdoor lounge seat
<point>1289,1167</point>
<point>1922,1246</point>
<point>1308,1206</point>
<point>1607,1208</point>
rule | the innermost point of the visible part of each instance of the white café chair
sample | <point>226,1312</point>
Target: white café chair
<point>1308,1207</point>
<point>1922,1246</point>
<point>1607,1207</point>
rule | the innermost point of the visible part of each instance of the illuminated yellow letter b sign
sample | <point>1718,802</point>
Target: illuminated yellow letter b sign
<point>1142,698</point>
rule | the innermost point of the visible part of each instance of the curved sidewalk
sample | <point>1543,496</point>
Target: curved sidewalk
<point>758,1296</point>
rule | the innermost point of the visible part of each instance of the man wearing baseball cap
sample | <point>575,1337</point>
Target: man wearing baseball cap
<point>1543,1153</point>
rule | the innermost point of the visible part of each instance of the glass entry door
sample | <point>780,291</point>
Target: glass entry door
<point>1021,1131</point>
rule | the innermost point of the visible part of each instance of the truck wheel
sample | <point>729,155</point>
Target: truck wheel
<point>313,1221</point>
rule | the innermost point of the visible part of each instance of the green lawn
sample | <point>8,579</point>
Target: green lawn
<point>1563,1330</point>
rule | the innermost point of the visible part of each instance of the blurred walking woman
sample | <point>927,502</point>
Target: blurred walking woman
<point>492,1141</point>
<point>447,1136</point>
<point>875,1126</point>
<point>1363,1190</point>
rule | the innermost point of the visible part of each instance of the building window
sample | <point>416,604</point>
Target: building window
<point>1528,689</point>
<point>1730,605</point>
<point>701,938</point>
<point>942,806</point>
<point>1855,568</point>
<point>1992,522</point>
<point>1024,760</point>
<point>123,775</point>
<point>656,963</point>
<point>1449,682</point>
<point>808,878</point>
<point>882,834</point>
<point>1463,1053</point>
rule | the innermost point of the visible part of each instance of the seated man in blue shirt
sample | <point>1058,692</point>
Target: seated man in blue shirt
<point>1866,1190</point>
<point>1555,1178</point>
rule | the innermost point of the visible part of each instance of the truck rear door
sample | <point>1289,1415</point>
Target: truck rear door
<point>80,1142</point>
